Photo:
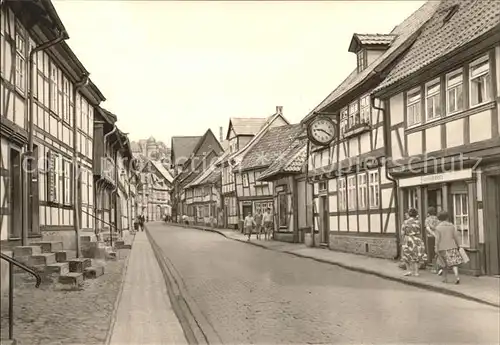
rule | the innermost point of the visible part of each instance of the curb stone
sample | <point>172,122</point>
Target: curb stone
<point>359,269</point>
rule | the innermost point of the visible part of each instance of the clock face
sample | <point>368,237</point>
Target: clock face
<point>322,131</point>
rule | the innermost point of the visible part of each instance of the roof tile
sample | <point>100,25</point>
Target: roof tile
<point>246,126</point>
<point>472,19</point>
<point>404,32</point>
<point>294,158</point>
<point>182,147</point>
<point>270,147</point>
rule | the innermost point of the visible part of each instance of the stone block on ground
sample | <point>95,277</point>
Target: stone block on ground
<point>111,256</point>
<point>51,246</point>
<point>93,272</point>
<point>65,255</point>
<point>71,278</point>
<point>79,265</point>
<point>23,251</point>
<point>60,268</point>
<point>43,259</point>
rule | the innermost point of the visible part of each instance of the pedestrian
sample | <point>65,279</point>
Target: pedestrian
<point>258,222</point>
<point>185,219</point>
<point>430,227</point>
<point>413,248</point>
<point>447,246</point>
<point>402,264</point>
<point>141,222</point>
<point>249,224</point>
<point>268,223</point>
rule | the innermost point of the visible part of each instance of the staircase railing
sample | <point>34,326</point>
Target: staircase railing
<point>104,222</point>
<point>13,262</point>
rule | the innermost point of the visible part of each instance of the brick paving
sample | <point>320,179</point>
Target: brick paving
<point>483,289</point>
<point>250,295</point>
<point>145,315</point>
<point>55,314</point>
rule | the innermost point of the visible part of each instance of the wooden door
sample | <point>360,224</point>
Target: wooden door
<point>16,194</point>
<point>324,219</point>
<point>492,225</point>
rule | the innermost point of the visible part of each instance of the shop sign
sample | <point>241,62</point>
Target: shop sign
<point>448,176</point>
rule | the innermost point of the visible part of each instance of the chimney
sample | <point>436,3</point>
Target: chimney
<point>221,134</point>
<point>279,109</point>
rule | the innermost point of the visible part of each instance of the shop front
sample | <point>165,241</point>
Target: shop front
<point>461,194</point>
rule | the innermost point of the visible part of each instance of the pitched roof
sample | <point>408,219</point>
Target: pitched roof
<point>405,33</point>
<point>183,147</point>
<point>293,160</point>
<point>211,175</point>
<point>245,125</point>
<point>164,172</point>
<point>269,121</point>
<point>270,147</point>
<point>455,23</point>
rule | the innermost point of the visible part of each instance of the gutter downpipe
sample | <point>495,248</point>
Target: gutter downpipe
<point>76,169</point>
<point>388,175</point>
<point>28,199</point>
<point>102,176</point>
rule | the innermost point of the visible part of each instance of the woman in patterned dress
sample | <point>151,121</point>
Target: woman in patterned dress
<point>447,245</point>
<point>413,248</point>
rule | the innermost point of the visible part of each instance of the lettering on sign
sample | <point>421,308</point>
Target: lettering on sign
<point>280,189</point>
<point>432,178</point>
<point>246,203</point>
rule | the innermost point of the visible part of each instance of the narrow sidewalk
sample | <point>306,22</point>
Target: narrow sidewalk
<point>144,314</point>
<point>480,289</point>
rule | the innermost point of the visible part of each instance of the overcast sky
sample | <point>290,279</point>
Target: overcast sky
<point>179,68</point>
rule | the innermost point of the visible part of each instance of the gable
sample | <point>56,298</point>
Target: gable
<point>207,142</point>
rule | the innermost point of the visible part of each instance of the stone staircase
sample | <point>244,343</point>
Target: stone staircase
<point>49,258</point>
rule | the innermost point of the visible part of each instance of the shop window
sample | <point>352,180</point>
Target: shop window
<point>283,210</point>
<point>351,192</point>
<point>461,217</point>
<point>342,193</point>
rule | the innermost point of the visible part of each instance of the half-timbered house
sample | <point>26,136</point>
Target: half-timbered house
<point>239,141</point>
<point>255,195</point>
<point>441,117</point>
<point>62,113</point>
<point>156,185</point>
<point>205,152</point>
<point>292,194</point>
<point>203,197</point>
<point>354,199</point>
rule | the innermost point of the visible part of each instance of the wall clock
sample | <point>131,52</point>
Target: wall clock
<point>321,131</point>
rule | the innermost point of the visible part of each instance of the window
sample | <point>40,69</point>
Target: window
<point>353,114</point>
<point>361,60</point>
<point>53,89</point>
<point>454,92</point>
<point>480,81</point>
<point>67,181</point>
<point>20,61</point>
<point>52,177</point>
<point>351,192</point>
<point>461,217</point>
<point>283,210</point>
<point>244,178</point>
<point>362,189</point>
<point>206,211</point>
<point>374,189</point>
<point>413,107</point>
<point>433,100</point>
<point>342,193</point>
<point>66,97</point>
<point>412,198</point>
<point>344,121</point>
<point>365,109</point>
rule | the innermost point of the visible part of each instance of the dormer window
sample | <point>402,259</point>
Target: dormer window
<point>361,60</point>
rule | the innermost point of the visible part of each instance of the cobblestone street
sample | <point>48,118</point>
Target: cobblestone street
<point>252,295</point>
<point>53,314</point>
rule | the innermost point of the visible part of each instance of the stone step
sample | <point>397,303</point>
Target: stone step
<point>111,256</point>
<point>93,272</point>
<point>43,259</point>
<point>61,268</point>
<point>23,251</point>
<point>51,247</point>
<point>87,238</point>
<point>65,255</point>
<point>79,265</point>
<point>123,246</point>
<point>71,279</point>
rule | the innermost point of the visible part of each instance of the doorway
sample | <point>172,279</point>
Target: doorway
<point>247,208</point>
<point>16,194</point>
<point>324,220</point>
<point>492,224</point>
<point>433,198</point>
